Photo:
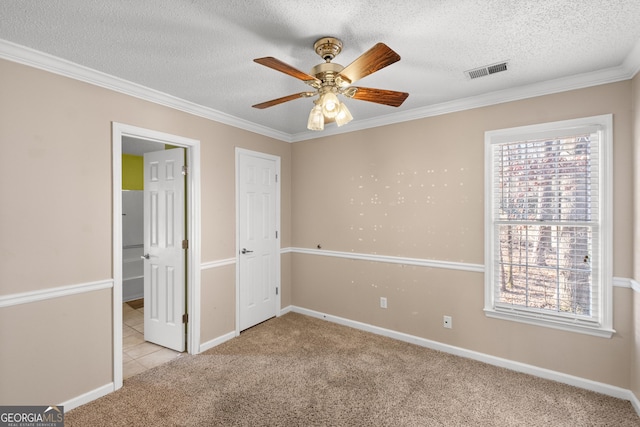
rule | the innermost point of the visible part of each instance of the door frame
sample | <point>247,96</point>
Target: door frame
<point>240,151</point>
<point>192,218</point>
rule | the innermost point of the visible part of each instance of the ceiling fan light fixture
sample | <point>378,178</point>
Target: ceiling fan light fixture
<point>330,79</point>
<point>316,118</point>
<point>344,115</point>
<point>330,104</point>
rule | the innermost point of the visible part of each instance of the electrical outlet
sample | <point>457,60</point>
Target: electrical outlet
<point>447,322</point>
<point>383,302</point>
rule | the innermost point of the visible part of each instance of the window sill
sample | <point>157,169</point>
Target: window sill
<point>547,322</point>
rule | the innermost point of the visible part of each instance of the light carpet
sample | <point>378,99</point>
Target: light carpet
<point>300,371</point>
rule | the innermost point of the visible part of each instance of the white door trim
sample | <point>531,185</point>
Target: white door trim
<point>120,130</point>
<point>240,151</point>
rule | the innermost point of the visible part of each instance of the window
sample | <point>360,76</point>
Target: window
<point>548,225</point>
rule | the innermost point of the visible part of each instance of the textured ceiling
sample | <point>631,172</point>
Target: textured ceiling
<point>202,51</point>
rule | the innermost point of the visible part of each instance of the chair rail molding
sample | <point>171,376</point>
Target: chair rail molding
<point>58,292</point>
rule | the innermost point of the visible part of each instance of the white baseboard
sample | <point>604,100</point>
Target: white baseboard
<point>88,397</point>
<point>226,337</point>
<point>132,297</point>
<point>583,383</point>
<point>216,341</point>
<point>109,388</point>
<point>285,310</point>
<point>635,402</point>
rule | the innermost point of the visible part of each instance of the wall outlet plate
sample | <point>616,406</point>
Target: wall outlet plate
<point>383,302</point>
<point>447,322</point>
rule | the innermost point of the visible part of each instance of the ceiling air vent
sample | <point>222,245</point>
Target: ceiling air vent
<point>486,70</point>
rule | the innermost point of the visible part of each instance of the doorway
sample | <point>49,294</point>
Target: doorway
<point>153,265</point>
<point>130,139</point>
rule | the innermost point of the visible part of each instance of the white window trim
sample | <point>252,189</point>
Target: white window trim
<point>604,327</point>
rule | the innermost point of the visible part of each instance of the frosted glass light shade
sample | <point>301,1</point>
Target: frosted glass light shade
<point>344,115</point>
<point>316,119</point>
<point>330,105</point>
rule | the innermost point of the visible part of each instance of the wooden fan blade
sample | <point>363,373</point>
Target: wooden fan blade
<point>369,62</point>
<point>283,99</point>
<point>278,65</point>
<point>380,96</point>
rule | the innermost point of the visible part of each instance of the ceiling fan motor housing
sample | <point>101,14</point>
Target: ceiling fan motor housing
<point>326,72</point>
<point>328,47</point>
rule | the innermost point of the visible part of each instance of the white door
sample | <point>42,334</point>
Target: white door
<point>258,257</point>
<point>164,266</point>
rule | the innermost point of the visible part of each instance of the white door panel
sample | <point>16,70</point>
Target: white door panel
<point>164,266</point>
<point>257,240</point>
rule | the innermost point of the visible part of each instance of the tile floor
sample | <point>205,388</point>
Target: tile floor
<point>139,355</point>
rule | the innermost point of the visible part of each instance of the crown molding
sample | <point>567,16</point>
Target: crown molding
<point>33,58</point>
<point>632,61</point>
<point>27,56</point>
<point>580,81</point>
<point>626,71</point>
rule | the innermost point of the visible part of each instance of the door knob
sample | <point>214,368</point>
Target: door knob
<point>145,256</point>
<point>245,251</point>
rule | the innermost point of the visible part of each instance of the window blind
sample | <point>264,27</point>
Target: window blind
<point>546,209</point>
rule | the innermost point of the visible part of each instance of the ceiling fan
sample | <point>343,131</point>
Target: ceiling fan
<point>330,79</point>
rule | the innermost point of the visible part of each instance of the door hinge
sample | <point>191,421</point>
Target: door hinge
<point>185,244</point>
<point>185,170</point>
<point>276,177</point>
<point>185,318</point>
<point>276,290</point>
<point>276,234</point>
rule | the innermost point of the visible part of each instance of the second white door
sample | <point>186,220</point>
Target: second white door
<point>259,255</point>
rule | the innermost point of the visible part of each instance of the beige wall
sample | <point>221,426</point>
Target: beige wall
<point>55,225</point>
<point>635,368</point>
<point>415,190</point>
<point>55,350</point>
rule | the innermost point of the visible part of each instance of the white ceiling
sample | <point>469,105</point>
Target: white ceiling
<point>138,147</point>
<point>202,51</point>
